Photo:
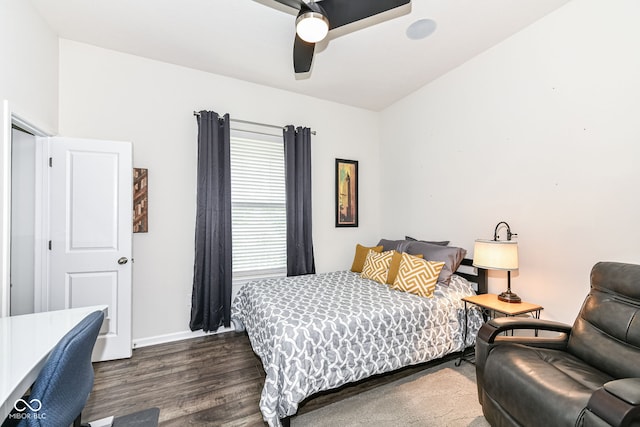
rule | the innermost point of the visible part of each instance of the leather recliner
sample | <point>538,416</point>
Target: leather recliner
<point>584,375</point>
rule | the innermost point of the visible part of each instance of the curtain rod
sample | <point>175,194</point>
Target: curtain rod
<point>247,122</point>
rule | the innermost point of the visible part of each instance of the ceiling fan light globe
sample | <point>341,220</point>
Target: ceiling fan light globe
<point>312,27</point>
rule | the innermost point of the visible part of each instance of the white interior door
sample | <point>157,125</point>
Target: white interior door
<point>91,231</point>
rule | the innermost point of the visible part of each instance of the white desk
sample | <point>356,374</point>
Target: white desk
<point>25,343</point>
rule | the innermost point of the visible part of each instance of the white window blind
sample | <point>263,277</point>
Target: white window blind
<point>258,211</point>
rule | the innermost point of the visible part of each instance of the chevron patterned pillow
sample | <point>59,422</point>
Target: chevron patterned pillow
<point>417,276</point>
<point>395,266</point>
<point>361,256</point>
<point>376,266</point>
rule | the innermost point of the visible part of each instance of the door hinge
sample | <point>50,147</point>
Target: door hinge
<point>50,161</point>
<point>49,244</point>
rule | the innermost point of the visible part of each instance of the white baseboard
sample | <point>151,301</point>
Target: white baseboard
<point>176,336</point>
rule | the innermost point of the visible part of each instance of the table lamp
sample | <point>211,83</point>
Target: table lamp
<point>498,255</point>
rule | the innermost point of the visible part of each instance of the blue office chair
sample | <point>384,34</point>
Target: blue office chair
<point>62,388</point>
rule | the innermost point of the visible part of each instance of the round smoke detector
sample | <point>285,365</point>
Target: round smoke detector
<point>421,29</point>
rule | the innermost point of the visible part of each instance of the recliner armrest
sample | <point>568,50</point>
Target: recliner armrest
<point>627,389</point>
<point>490,330</point>
<point>617,402</point>
<point>487,339</point>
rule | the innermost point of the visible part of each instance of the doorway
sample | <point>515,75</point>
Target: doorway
<point>73,198</point>
<point>23,223</point>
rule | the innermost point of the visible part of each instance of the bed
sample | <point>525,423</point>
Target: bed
<point>318,332</point>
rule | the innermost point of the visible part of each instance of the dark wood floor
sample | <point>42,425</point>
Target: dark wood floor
<point>212,381</point>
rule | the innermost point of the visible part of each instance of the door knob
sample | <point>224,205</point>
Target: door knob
<point>123,260</point>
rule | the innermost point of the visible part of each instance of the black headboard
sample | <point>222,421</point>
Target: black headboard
<point>480,276</point>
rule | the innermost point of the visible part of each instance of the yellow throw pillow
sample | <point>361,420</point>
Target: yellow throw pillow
<point>417,276</point>
<point>361,256</point>
<point>376,266</point>
<point>395,265</point>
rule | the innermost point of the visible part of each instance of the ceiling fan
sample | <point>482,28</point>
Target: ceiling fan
<point>316,18</point>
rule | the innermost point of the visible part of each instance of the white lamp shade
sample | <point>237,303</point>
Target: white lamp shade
<point>312,27</point>
<point>496,255</point>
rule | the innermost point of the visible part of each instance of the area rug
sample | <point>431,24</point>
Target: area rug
<point>444,395</point>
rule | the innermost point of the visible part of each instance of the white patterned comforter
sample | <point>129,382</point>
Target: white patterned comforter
<point>318,332</point>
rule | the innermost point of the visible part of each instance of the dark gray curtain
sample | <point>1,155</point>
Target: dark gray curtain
<point>211,297</point>
<point>297,155</point>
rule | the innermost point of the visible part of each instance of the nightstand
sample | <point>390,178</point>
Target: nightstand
<point>490,305</point>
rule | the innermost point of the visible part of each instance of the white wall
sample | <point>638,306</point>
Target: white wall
<point>29,71</point>
<point>540,131</point>
<point>29,85</point>
<point>110,95</point>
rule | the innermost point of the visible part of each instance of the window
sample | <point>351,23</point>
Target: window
<point>258,211</point>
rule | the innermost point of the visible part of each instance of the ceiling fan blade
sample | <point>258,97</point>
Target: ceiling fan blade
<point>302,55</point>
<point>314,7</point>
<point>296,4</point>
<point>343,12</point>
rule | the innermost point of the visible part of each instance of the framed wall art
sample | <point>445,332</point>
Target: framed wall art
<point>346,193</point>
<point>140,200</point>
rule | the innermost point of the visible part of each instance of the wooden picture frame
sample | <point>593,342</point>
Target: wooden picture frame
<point>346,193</point>
<point>140,200</point>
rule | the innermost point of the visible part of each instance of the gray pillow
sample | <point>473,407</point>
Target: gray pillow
<point>441,243</point>
<point>399,245</point>
<point>388,245</point>
<point>451,256</point>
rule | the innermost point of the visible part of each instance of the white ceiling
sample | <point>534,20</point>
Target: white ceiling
<point>369,67</point>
